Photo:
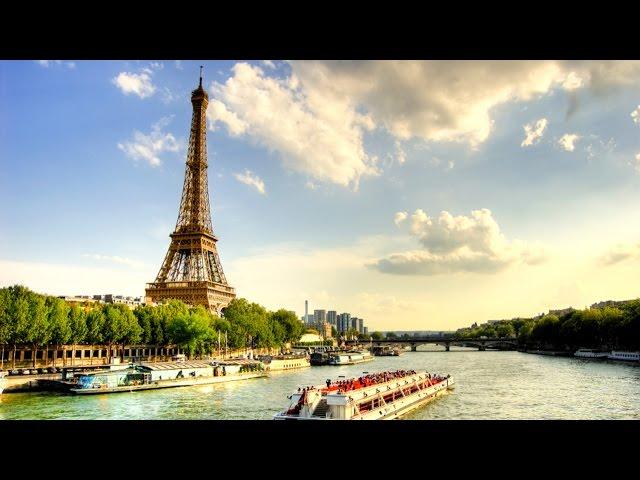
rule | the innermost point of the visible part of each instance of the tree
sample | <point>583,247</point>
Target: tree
<point>192,332</point>
<point>131,330</point>
<point>59,328</point>
<point>18,317</point>
<point>505,330</point>
<point>249,324</point>
<point>37,332</point>
<point>144,315</point>
<point>58,320</point>
<point>391,335</point>
<point>95,325</point>
<point>293,327</point>
<point>5,321</point>
<point>352,334</point>
<point>79,330</point>
<point>377,336</point>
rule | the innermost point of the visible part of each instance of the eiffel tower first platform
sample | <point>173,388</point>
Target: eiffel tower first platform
<point>191,270</point>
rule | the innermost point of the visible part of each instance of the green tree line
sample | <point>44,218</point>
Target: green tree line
<point>607,327</point>
<point>39,320</point>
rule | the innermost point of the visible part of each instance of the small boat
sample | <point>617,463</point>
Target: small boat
<point>151,376</point>
<point>627,356</point>
<point>319,358</point>
<point>385,351</point>
<point>350,358</point>
<point>376,396</point>
<point>284,362</point>
<point>590,353</point>
<point>3,381</point>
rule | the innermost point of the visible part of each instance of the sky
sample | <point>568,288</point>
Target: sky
<point>418,195</point>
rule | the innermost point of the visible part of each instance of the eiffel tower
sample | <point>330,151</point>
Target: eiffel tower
<point>191,270</point>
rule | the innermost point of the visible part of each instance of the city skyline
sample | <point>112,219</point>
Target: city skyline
<point>428,195</point>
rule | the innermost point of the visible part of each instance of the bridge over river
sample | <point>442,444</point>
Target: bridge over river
<point>481,344</point>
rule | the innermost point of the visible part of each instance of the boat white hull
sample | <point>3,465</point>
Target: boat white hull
<point>625,356</point>
<point>187,382</point>
<point>391,410</point>
<point>352,362</point>
<point>591,354</point>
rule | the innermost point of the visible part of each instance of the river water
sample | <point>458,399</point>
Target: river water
<point>490,385</point>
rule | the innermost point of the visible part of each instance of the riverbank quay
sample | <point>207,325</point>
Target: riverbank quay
<point>62,380</point>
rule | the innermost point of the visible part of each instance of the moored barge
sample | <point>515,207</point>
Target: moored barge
<point>378,396</point>
<point>151,376</point>
<point>284,362</point>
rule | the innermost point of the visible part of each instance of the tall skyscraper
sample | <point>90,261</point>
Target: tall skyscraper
<point>344,322</point>
<point>191,270</point>
<point>319,316</point>
<point>331,317</point>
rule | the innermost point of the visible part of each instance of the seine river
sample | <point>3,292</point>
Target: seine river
<point>490,385</point>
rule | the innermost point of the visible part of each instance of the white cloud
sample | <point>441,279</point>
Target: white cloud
<point>568,140</point>
<point>400,217</point>
<point>310,185</point>
<point>269,64</point>
<point>218,112</point>
<point>620,253</point>
<point>115,259</point>
<point>314,134</point>
<point>49,63</point>
<point>433,100</point>
<point>401,156</point>
<point>137,83</point>
<point>635,115</point>
<point>573,82</point>
<point>458,244</point>
<point>635,163</point>
<point>156,65</point>
<point>168,96</point>
<point>149,147</point>
<point>599,147</point>
<point>534,132</point>
<point>178,65</point>
<point>251,179</point>
<point>315,117</point>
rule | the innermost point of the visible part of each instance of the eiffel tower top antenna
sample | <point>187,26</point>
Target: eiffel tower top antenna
<point>201,75</point>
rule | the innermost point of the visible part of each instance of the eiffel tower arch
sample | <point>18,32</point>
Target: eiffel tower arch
<point>191,270</point>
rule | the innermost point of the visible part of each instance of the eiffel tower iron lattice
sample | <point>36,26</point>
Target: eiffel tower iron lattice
<point>191,270</point>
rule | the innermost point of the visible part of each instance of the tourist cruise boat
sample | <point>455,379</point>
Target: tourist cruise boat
<point>590,353</point>
<point>377,396</point>
<point>349,358</point>
<point>284,362</point>
<point>151,376</point>
<point>628,356</point>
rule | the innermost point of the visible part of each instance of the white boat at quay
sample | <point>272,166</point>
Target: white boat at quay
<point>350,357</point>
<point>591,353</point>
<point>151,376</point>
<point>3,381</point>
<point>628,356</point>
<point>376,396</point>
